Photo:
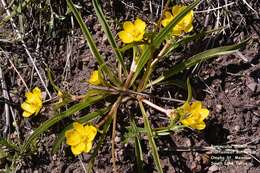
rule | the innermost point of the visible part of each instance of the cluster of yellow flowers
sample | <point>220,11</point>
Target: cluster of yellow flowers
<point>193,115</point>
<point>80,138</point>
<point>134,32</point>
<point>33,102</point>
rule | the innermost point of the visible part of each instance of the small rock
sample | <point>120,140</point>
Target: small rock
<point>237,128</point>
<point>213,168</point>
<point>252,86</point>
<point>117,139</point>
<point>219,108</point>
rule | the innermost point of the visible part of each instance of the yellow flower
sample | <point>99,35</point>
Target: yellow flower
<point>80,138</point>
<point>193,115</point>
<point>33,102</point>
<point>132,31</point>
<point>95,78</point>
<point>184,25</point>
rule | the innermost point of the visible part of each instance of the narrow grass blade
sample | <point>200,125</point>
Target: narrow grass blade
<point>151,139</point>
<point>160,37</point>
<point>60,138</point>
<point>138,149</point>
<point>109,34</point>
<point>198,58</point>
<point>47,124</point>
<point>16,10</point>
<point>187,39</point>
<point>92,44</point>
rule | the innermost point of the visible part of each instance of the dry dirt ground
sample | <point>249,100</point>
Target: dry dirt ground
<point>229,86</point>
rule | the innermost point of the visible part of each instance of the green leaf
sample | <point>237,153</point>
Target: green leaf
<point>109,34</point>
<point>10,145</point>
<point>3,154</point>
<point>151,139</point>
<point>60,138</point>
<point>198,58</point>
<point>91,44</point>
<point>138,149</point>
<point>47,124</point>
<point>189,90</point>
<point>160,37</point>
<point>185,40</point>
<point>146,55</point>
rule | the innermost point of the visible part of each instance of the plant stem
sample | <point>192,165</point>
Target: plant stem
<point>110,113</point>
<point>168,112</point>
<point>150,67</point>
<point>128,80</point>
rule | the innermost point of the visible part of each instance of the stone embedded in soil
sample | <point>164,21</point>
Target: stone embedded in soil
<point>252,86</point>
<point>213,168</point>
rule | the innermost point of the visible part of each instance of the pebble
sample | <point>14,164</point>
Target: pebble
<point>252,86</point>
<point>117,139</point>
<point>213,168</point>
<point>237,128</point>
<point>219,108</point>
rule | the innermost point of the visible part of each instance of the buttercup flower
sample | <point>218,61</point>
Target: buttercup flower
<point>33,102</point>
<point>80,138</point>
<point>193,115</point>
<point>95,78</point>
<point>184,25</point>
<point>132,31</point>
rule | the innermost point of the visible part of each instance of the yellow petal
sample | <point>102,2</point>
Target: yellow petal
<point>128,27</point>
<point>28,107</point>
<point>196,105</point>
<point>177,9</point>
<point>126,37</point>
<point>185,122</point>
<point>139,25</point>
<point>186,107</point>
<point>79,128</point>
<point>73,138</point>
<point>186,22</point>
<point>204,113</point>
<point>139,37</point>
<point>188,28</point>
<point>77,149</point>
<point>91,132</point>
<point>30,97</point>
<point>95,78</point>
<point>27,114</point>
<point>37,91</point>
<point>167,18</point>
<point>88,147</point>
<point>177,31</point>
<point>69,133</point>
<point>200,126</point>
